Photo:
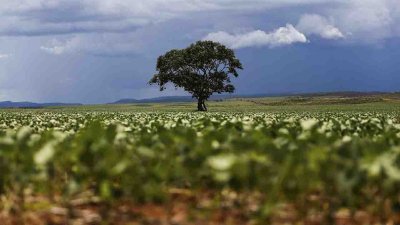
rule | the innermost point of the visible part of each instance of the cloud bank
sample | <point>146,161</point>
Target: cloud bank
<point>76,25</point>
<point>50,17</point>
<point>55,17</point>
<point>282,36</point>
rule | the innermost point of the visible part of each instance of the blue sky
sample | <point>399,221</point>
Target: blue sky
<point>96,51</point>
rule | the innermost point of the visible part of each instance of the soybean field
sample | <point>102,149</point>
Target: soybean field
<point>140,167</point>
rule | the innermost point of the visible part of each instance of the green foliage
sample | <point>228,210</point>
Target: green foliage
<point>350,159</point>
<point>201,69</point>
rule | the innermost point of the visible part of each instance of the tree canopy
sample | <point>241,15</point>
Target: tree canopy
<point>201,69</point>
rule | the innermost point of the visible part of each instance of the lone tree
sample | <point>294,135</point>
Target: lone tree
<point>201,69</point>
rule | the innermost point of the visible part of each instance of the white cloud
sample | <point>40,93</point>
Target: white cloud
<point>93,44</point>
<point>317,25</point>
<point>4,56</point>
<point>282,36</point>
<point>57,47</point>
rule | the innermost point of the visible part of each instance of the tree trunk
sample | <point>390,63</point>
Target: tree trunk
<point>201,106</point>
<point>204,106</point>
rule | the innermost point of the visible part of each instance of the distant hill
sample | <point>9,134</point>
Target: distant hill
<point>155,100</point>
<point>9,104</point>
<point>173,99</point>
<point>346,94</point>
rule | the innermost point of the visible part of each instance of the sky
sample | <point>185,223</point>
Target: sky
<point>99,51</point>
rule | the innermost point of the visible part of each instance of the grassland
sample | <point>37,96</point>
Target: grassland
<point>340,102</point>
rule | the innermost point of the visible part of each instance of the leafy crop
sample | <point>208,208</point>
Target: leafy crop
<point>317,163</point>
